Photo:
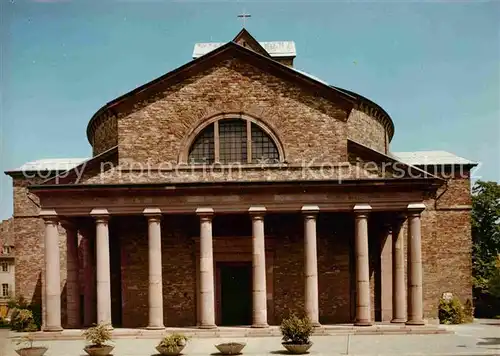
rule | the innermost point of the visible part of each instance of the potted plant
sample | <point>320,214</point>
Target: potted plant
<point>296,332</point>
<point>172,344</point>
<point>29,350</point>
<point>98,336</point>
<point>230,348</point>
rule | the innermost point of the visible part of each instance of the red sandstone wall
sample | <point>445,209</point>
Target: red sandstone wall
<point>366,130</point>
<point>447,244</point>
<point>309,126</point>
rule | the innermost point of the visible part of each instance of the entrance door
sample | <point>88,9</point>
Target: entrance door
<point>235,293</point>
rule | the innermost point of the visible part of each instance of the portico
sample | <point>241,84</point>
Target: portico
<point>260,235</point>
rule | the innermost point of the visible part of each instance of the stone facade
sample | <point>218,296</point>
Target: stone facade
<point>317,127</point>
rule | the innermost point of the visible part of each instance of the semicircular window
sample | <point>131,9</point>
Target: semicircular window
<point>230,141</point>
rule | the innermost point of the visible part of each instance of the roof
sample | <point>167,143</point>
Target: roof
<point>420,158</point>
<point>274,48</point>
<point>50,164</point>
<point>227,50</point>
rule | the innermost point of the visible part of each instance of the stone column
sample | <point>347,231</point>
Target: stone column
<point>363,312</point>
<point>415,293</point>
<point>89,310</point>
<point>103,266</point>
<point>207,297</point>
<point>72,285</point>
<point>386,273</point>
<point>259,315</point>
<point>52,272</point>
<point>155,269</point>
<point>311,304</point>
<point>398,273</point>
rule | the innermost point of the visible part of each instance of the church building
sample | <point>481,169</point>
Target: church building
<point>235,190</point>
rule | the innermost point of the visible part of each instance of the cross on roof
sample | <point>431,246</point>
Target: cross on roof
<point>244,17</point>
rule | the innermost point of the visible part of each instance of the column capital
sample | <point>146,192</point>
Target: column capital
<point>362,209</point>
<point>310,210</point>
<point>49,216</point>
<point>152,213</point>
<point>204,212</point>
<point>257,211</point>
<point>415,208</point>
<point>100,214</point>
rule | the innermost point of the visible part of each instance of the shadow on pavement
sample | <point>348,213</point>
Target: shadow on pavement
<point>489,341</point>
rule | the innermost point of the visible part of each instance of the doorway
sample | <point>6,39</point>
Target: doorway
<point>235,293</point>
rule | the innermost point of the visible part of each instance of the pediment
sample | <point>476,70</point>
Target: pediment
<point>230,51</point>
<point>245,39</point>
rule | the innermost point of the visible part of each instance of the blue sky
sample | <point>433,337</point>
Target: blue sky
<point>433,66</point>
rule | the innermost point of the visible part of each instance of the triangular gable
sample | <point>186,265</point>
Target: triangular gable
<point>245,39</point>
<point>388,166</point>
<point>229,50</point>
<point>94,166</point>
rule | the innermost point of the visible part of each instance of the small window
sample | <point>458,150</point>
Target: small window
<point>5,290</point>
<point>4,267</point>
<point>6,250</point>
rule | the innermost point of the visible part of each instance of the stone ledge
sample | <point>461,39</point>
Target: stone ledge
<point>235,332</point>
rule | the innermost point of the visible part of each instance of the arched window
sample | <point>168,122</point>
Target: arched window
<point>233,141</point>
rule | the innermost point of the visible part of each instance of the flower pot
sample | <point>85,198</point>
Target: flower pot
<point>171,351</point>
<point>98,351</point>
<point>297,349</point>
<point>230,348</point>
<point>32,351</point>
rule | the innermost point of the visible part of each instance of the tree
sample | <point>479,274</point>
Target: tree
<point>494,281</point>
<point>485,234</point>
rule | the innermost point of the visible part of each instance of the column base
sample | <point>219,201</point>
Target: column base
<point>316,324</point>
<point>415,322</point>
<point>398,321</point>
<point>363,323</point>
<point>207,326</point>
<point>260,326</point>
<point>155,328</point>
<point>52,329</point>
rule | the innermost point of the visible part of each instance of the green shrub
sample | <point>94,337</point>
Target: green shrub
<point>22,320</point>
<point>171,342</point>
<point>18,302</point>
<point>98,335</point>
<point>296,330</point>
<point>21,303</point>
<point>468,311</point>
<point>451,311</point>
<point>3,323</point>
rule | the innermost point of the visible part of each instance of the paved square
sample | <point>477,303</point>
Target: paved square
<point>480,338</point>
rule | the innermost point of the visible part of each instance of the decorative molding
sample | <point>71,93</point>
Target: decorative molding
<point>48,214</point>
<point>99,212</point>
<point>416,207</point>
<point>257,210</point>
<point>362,208</point>
<point>204,211</point>
<point>310,209</point>
<point>152,211</point>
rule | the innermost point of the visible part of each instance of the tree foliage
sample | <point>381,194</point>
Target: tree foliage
<point>485,235</point>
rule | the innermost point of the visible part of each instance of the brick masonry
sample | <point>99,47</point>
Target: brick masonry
<point>310,127</point>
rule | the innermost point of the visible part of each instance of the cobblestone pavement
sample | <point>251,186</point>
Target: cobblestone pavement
<point>480,338</point>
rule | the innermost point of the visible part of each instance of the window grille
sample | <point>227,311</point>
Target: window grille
<point>233,141</point>
<point>263,148</point>
<point>202,150</point>
<point>230,144</point>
